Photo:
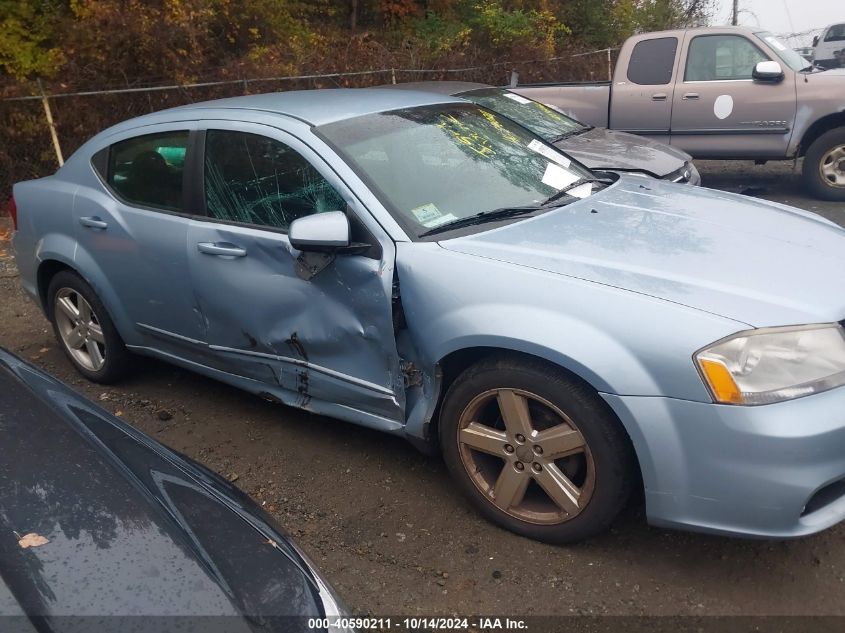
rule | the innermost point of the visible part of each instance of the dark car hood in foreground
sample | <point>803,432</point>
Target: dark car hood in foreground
<point>599,148</point>
<point>750,260</point>
<point>132,527</point>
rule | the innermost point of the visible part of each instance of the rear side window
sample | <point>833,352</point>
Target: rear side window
<point>147,170</point>
<point>652,61</point>
<point>257,180</point>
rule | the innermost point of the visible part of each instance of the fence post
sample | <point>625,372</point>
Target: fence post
<point>609,66</point>
<point>52,125</point>
<point>393,76</point>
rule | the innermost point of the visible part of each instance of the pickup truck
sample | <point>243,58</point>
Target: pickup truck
<point>720,93</point>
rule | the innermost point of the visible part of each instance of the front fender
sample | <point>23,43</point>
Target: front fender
<point>620,342</point>
<point>560,338</point>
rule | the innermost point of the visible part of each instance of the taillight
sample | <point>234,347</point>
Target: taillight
<point>12,208</point>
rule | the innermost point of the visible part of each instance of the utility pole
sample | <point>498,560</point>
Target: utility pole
<point>735,12</point>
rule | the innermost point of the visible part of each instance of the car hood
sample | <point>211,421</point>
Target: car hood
<point>600,148</point>
<point>129,527</point>
<point>749,260</point>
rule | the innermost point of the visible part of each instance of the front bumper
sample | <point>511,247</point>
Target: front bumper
<point>775,471</point>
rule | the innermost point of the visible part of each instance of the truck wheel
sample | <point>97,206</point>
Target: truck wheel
<point>824,166</point>
<point>84,329</point>
<point>535,451</point>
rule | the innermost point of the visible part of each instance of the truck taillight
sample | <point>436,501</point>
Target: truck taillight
<point>12,208</point>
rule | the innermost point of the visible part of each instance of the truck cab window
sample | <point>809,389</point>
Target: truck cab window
<point>721,58</point>
<point>652,61</point>
<point>836,33</point>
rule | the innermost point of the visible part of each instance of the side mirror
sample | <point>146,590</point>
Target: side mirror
<point>815,41</point>
<point>320,233</point>
<point>767,71</point>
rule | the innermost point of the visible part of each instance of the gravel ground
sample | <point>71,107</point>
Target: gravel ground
<point>393,534</point>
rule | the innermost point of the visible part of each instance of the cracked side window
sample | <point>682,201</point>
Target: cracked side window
<point>257,180</point>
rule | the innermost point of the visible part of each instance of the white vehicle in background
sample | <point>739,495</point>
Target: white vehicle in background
<point>829,47</point>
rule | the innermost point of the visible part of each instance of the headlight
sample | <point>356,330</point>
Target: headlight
<point>774,364</point>
<point>695,177</point>
<point>688,174</point>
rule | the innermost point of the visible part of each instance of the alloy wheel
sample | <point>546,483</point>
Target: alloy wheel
<point>80,329</point>
<point>526,456</point>
<point>832,167</point>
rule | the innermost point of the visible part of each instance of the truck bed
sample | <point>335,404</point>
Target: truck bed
<point>589,102</point>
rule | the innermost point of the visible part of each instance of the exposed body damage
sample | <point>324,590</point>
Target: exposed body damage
<point>262,323</point>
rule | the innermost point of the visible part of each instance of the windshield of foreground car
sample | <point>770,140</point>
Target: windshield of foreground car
<point>432,165</point>
<point>538,118</point>
<point>787,55</point>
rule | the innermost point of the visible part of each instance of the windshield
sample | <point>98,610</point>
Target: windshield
<point>789,56</point>
<point>432,165</point>
<point>538,118</point>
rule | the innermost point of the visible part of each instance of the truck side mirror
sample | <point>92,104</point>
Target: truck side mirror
<point>767,71</point>
<point>815,41</point>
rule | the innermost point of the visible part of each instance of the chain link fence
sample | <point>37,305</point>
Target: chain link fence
<point>37,131</point>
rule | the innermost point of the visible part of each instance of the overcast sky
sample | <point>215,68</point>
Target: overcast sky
<point>783,16</point>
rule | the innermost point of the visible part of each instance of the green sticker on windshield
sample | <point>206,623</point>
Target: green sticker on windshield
<point>430,216</point>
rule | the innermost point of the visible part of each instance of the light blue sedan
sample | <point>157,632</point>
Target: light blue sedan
<point>417,264</point>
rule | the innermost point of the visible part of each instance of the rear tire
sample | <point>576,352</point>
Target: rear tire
<point>536,451</point>
<point>824,166</point>
<point>84,329</point>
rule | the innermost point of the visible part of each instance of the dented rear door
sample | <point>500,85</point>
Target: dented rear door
<point>323,342</point>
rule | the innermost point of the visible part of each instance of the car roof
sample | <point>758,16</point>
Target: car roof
<point>319,107</point>
<point>439,87</point>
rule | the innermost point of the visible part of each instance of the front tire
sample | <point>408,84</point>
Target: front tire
<point>85,330</point>
<point>536,451</point>
<point>824,166</point>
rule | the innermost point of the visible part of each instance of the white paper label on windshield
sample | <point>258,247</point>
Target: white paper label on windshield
<point>557,177</point>
<point>517,98</point>
<point>581,191</point>
<point>774,42</point>
<point>430,216</point>
<point>547,152</point>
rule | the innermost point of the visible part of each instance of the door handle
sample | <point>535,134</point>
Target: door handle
<point>223,249</point>
<point>660,96</point>
<point>690,96</point>
<point>93,222</point>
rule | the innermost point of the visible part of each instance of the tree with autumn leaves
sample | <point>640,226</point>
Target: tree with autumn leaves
<point>97,43</point>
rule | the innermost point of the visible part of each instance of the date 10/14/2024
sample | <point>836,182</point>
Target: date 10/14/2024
<point>419,623</point>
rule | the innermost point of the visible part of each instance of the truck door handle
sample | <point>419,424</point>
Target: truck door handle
<point>222,249</point>
<point>660,96</point>
<point>93,222</point>
<point>690,96</point>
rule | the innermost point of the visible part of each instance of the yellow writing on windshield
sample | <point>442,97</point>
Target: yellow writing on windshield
<point>504,132</point>
<point>466,135</point>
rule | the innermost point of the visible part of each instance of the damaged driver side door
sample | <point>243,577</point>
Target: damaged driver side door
<point>321,341</point>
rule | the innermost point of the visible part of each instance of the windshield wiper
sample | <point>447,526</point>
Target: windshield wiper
<point>555,197</point>
<point>484,216</point>
<point>811,67</point>
<point>509,212</point>
<point>566,135</point>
